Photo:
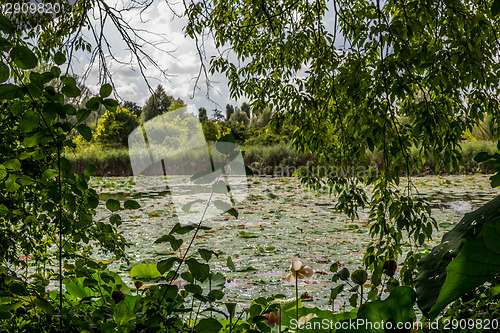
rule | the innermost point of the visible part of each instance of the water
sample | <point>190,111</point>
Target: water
<point>297,222</point>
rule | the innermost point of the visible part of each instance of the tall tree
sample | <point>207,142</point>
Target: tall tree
<point>245,107</point>
<point>202,115</point>
<point>157,104</point>
<point>229,111</point>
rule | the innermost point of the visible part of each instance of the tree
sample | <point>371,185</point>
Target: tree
<point>202,115</point>
<point>238,124</point>
<point>261,120</point>
<point>229,111</point>
<point>133,107</point>
<point>346,88</point>
<point>213,130</point>
<point>114,127</point>
<point>245,107</point>
<point>157,104</point>
<point>217,114</point>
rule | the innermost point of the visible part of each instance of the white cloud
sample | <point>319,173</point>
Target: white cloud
<point>179,58</point>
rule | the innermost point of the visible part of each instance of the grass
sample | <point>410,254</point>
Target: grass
<point>264,160</point>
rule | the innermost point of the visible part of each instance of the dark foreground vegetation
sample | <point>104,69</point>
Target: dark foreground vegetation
<point>412,80</point>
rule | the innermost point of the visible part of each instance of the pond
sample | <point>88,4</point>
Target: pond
<point>279,220</point>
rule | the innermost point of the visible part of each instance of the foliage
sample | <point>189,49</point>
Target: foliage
<point>114,127</point>
<point>262,119</point>
<point>46,210</point>
<point>202,115</point>
<point>238,124</point>
<point>347,88</point>
<point>245,108</point>
<point>407,62</point>
<point>157,104</point>
<point>468,255</point>
<point>229,111</point>
<point>461,262</point>
<point>213,130</point>
<point>133,107</point>
<point>217,115</point>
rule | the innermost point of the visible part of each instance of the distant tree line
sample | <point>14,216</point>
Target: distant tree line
<point>245,123</point>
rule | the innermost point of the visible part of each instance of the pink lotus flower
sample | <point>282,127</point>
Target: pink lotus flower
<point>273,318</point>
<point>298,271</point>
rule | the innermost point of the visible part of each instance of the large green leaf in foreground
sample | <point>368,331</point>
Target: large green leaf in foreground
<point>468,256</point>
<point>397,308</point>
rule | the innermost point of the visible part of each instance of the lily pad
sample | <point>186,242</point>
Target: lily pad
<point>245,234</point>
<point>144,272</point>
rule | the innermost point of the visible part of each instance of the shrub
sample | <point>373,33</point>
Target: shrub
<point>114,127</point>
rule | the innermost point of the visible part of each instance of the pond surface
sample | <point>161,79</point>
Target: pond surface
<point>286,221</point>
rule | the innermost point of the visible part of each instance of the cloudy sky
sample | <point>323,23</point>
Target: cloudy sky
<point>178,57</point>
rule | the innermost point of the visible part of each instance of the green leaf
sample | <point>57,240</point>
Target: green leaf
<point>76,288</point>
<point>245,234</point>
<point>70,90</point>
<point>9,91</point>
<point>482,156</point>
<point>359,276</point>
<point>4,72</point>
<point>113,205</point>
<point>174,242</point>
<point>34,139</point>
<point>122,314</point>
<point>187,207</point>
<point>343,274</point>
<point>165,265</point>
<point>208,325</point>
<point>397,308</point>
<point>105,90</point>
<point>110,104</point>
<point>49,173</point>
<point>230,264</point>
<point>3,172</point>
<point>336,291</point>
<point>90,170</point>
<point>200,271</point>
<point>206,254</point>
<point>44,305</point>
<point>5,45</point>
<point>184,229</point>
<point>23,57</point>
<point>145,272</point>
<point>11,185</point>
<point>193,288</point>
<point>13,164</point>
<point>113,219</point>
<point>217,294</point>
<point>18,289</point>
<point>59,58</point>
<point>477,262</point>
<point>131,204</point>
<point>495,8</point>
<point>467,255</point>
<point>30,121</point>
<point>225,208</point>
<point>495,180</point>
<point>226,144</point>
<point>220,187</point>
<point>6,25</point>
<point>93,103</point>
<point>25,180</point>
